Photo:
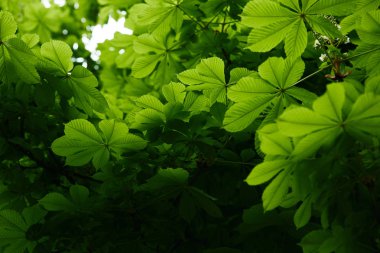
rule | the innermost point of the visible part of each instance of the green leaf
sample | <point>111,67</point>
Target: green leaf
<point>145,65</point>
<point>296,39</point>
<point>209,74</point>
<point>82,84</point>
<point>83,142</point>
<point>8,25</point>
<point>146,43</point>
<point>262,13</point>
<point>282,73</point>
<point>274,194</point>
<point>293,4</point>
<point>160,16</point>
<point>301,94</point>
<point>303,213</point>
<point>306,4</point>
<point>364,117</point>
<point>266,171</point>
<point>369,30</point>
<point>273,142</point>
<point>263,39</point>
<point>323,26</point>
<point>206,202</point>
<point>299,121</point>
<point>151,102</point>
<point>241,115</point>
<point>195,102</point>
<point>362,7</point>
<point>166,178</point>
<point>41,20</point>
<point>17,58</point>
<point>13,220</point>
<point>332,7</point>
<point>54,201</point>
<point>237,74</point>
<point>248,88</point>
<point>373,85</point>
<point>59,54</point>
<point>174,92</point>
<point>309,144</point>
<point>118,139</point>
<point>33,215</point>
<point>313,240</point>
<point>272,71</point>
<point>79,195</point>
<point>148,118</point>
<point>331,103</point>
<point>31,39</point>
<point>158,57</point>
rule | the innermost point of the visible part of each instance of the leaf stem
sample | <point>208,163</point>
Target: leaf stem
<point>312,74</point>
<point>192,18</point>
<point>343,60</point>
<point>363,53</point>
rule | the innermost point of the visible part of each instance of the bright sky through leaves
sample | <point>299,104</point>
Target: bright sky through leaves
<point>100,33</point>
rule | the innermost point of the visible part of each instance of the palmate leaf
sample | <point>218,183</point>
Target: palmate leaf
<point>253,95</point>
<point>249,87</point>
<point>296,39</point>
<point>17,58</point>
<point>77,82</point>
<point>54,201</point>
<point>208,76</point>
<point>124,41</point>
<point>41,20</point>
<point>292,4</point>
<point>364,118</point>
<point>195,102</point>
<point>368,30</point>
<point>274,22</point>
<point>82,84</point>
<point>166,179</point>
<point>266,171</point>
<point>149,101</point>
<point>59,55</point>
<point>14,227</point>
<point>82,142</point>
<point>174,92</point>
<point>322,25</point>
<point>303,213</point>
<point>332,7</point>
<point>298,133</point>
<point>156,57</point>
<point>327,114</point>
<point>242,114</point>
<point>272,142</point>
<point>265,38</point>
<point>301,121</point>
<point>262,13</point>
<point>161,16</point>
<point>31,39</point>
<point>17,61</point>
<point>8,26</point>
<point>361,8</point>
<point>275,193</point>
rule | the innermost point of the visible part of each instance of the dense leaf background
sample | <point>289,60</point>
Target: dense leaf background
<point>220,126</point>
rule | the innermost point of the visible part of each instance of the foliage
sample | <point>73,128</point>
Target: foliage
<point>213,128</point>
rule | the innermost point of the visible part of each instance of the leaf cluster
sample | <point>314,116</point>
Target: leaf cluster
<point>213,128</point>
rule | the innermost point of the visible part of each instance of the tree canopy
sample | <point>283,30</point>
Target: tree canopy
<point>220,126</point>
